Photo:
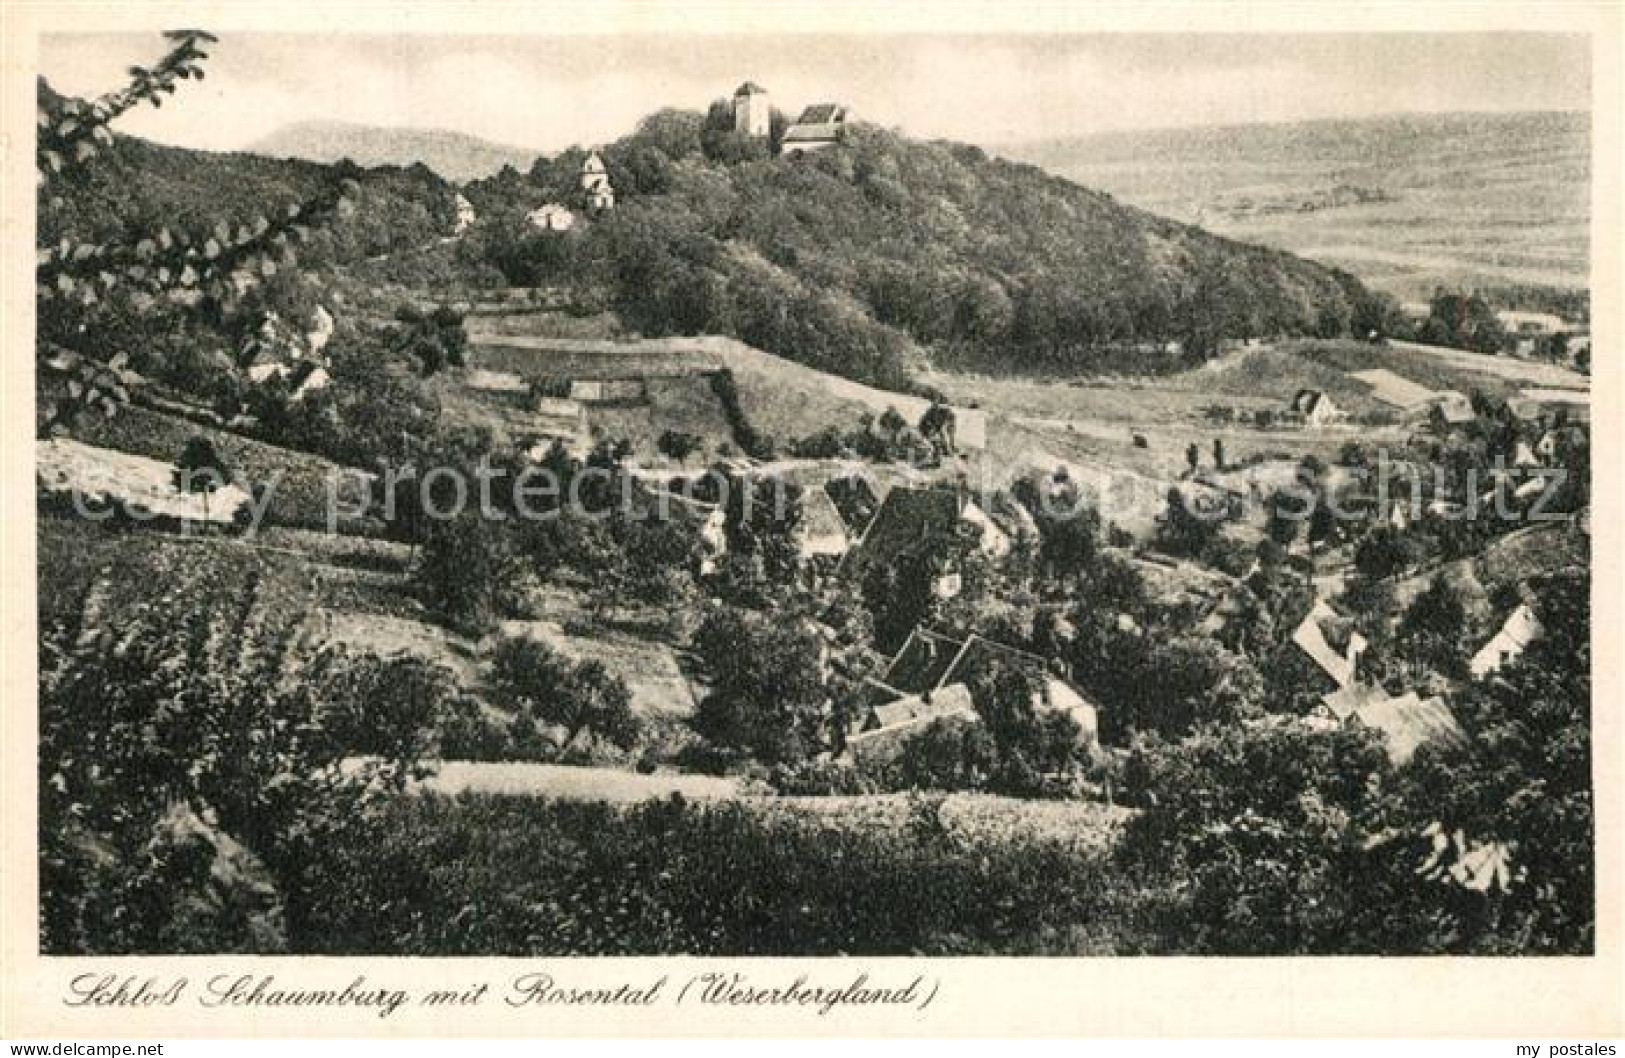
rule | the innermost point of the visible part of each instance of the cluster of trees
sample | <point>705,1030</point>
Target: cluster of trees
<point>848,260</point>
<point>185,780</point>
<point>1464,321</point>
<point>1285,840</point>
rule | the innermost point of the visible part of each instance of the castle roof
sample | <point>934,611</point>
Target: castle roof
<point>750,88</point>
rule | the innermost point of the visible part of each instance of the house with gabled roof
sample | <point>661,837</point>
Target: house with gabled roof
<point>912,517</point>
<point>1315,407</point>
<point>929,661</point>
<point>822,533</point>
<point>885,726</point>
<point>1451,411</point>
<point>819,126</point>
<point>595,184</point>
<point>1395,390</point>
<point>1409,722</point>
<point>1330,641</point>
<point>1520,629</point>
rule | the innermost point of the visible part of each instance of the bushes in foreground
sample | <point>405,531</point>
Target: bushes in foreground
<point>521,876</point>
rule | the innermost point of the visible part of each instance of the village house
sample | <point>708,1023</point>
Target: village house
<point>884,728</point>
<point>1520,629</point>
<point>822,532</point>
<point>277,350</point>
<point>1314,408</point>
<point>1330,641</point>
<point>820,125</point>
<point>912,517</point>
<point>753,111</point>
<point>1532,323</point>
<point>1452,411</point>
<point>931,671</point>
<point>551,217</point>
<point>1550,407</point>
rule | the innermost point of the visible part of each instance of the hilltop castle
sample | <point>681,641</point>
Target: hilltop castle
<point>753,113</point>
<point>820,125</point>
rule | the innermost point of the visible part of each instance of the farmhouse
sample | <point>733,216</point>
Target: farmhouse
<point>1451,411</point>
<point>820,125</point>
<point>885,727</point>
<point>822,532</point>
<point>1520,629</point>
<point>930,661</point>
<point>1532,323</point>
<point>1315,407</point>
<point>1409,722</point>
<point>278,350</point>
<point>1330,642</point>
<point>1551,406</point>
<point>912,517</point>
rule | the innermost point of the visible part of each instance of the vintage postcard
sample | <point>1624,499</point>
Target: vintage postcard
<point>692,519</point>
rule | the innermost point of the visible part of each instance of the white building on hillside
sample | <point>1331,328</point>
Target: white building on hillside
<point>595,184</point>
<point>820,125</point>
<point>551,217</point>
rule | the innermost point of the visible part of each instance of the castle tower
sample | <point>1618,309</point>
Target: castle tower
<point>752,110</point>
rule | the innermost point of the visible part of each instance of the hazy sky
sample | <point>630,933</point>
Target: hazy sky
<point>550,92</point>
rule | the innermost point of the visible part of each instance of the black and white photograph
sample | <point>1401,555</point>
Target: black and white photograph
<point>1072,494</point>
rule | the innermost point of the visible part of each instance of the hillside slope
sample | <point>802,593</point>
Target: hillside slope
<point>1425,199</point>
<point>855,259</point>
<point>456,156</point>
<point>137,186</point>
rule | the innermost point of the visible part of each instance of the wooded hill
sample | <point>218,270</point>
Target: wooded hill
<point>848,257</point>
<point>856,260</point>
<point>135,188</point>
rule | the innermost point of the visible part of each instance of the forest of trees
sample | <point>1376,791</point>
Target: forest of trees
<point>848,260</point>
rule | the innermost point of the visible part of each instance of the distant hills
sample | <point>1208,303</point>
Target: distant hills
<point>138,188</point>
<point>1452,199</point>
<point>456,156</point>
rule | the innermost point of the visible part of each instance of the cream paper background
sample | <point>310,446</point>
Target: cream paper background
<point>1554,998</point>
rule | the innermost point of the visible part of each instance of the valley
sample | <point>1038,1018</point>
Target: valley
<point>952,558</point>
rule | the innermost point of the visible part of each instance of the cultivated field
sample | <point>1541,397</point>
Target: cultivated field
<point>1486,198</point>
